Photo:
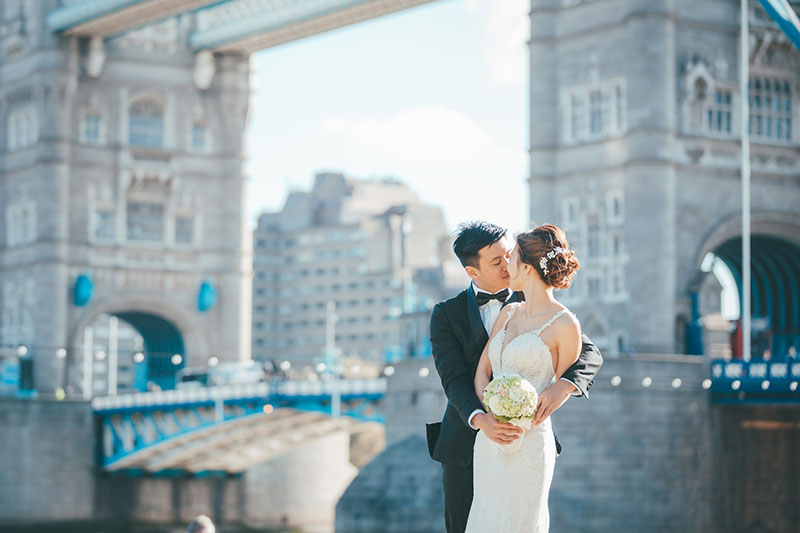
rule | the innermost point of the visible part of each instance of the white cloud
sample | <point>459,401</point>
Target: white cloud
<point>431,137</point>
<point>446,157</point>
<point>334,125</point>
<point>507,31</point>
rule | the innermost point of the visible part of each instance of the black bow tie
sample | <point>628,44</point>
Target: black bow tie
<point>484,297</point>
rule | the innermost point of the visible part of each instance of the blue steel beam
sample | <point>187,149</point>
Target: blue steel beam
<point>787,20</point>
<point>137,425</point>
<point>108,17</point>
<point>245,26</point>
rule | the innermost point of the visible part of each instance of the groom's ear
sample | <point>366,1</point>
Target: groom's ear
<point>472,272</point>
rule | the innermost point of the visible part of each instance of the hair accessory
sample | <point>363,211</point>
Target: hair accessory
<point>551,254</point>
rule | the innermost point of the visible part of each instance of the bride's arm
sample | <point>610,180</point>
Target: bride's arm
<point>499,432</point>
<point>568,348</point>
<point>566,352</point>
<point>483,375</point>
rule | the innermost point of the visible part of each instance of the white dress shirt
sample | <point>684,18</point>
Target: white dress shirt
<point>489,313</point>
<point>490,310</point>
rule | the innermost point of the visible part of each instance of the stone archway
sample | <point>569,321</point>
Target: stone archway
<point>775,271</point>
<point>166,329</point>
<point>777,224</point>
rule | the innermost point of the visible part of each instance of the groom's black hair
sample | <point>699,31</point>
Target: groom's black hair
<point>472,236</point>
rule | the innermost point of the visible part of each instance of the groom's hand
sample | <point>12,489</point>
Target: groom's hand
<point>496,431</point>
<point>551,399</point>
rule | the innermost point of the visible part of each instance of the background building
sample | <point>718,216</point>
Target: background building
<point>371,247</point>
<point>635,150</point>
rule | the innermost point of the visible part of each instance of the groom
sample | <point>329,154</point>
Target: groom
<point>460,329</point>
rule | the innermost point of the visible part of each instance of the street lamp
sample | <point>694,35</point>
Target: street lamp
<point>61,354</point>
<point>176,359</point>
<point>138,357</point>
<point>22,350</point>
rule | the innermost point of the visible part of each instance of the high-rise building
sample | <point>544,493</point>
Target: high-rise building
<point>369,246</point>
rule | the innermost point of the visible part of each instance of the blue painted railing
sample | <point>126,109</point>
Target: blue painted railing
<point>756,380</point>
<point>131,423</point>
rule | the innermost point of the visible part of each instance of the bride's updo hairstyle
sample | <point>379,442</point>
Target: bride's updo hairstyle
<point>545,248</point>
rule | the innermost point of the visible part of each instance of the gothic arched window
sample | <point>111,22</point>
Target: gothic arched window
<point>771,109</point>
<point>146,124</point>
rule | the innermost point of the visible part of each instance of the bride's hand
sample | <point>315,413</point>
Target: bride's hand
<point>551,399</point>
<point>496,431</point>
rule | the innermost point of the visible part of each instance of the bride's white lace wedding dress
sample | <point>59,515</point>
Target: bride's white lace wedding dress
<point>511,489</point>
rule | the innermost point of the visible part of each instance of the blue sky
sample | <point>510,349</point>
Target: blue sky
<point>435,95</point>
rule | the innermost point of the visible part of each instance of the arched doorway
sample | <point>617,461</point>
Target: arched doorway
<point>128,351</point>
<point>154,340</point>
<point>163,352</point>
<point>775,292</point>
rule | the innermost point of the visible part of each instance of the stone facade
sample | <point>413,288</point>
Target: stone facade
<point>637,458</point>
<point>47,468</point>
<point>114,164</point>
<point>635,151</point>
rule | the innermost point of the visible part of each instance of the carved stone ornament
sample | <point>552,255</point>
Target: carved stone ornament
<point>204,69</point>
<point>96,58</point>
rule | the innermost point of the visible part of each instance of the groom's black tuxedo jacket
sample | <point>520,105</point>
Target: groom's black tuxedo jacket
<point>458,338</point>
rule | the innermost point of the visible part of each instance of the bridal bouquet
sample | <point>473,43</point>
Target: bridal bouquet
<point>512,398</point>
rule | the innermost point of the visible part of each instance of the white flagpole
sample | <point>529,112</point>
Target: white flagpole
<point>744,79</point>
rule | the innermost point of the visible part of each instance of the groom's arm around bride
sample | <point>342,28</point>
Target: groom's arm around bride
<point>577,381</point>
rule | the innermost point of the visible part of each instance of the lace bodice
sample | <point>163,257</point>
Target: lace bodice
<point>526,355</point>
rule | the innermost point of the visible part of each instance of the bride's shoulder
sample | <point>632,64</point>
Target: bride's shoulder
<point>568,319</point>
<point>509,309</point>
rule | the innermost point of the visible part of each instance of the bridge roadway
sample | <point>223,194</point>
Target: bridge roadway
<point>226,428</point>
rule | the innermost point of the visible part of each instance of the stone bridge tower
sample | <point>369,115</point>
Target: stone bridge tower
<point>634,148</point>
<point>122,195</point>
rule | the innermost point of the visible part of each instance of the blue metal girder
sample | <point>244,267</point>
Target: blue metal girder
<point>105,17</point>
<point>787,20</point>
<point>152,428</point>
<point>253,21</point>
<point>242,21</point>
<point>75,13</point>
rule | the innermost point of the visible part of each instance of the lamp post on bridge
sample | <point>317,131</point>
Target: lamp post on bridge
<point>332,358</point>
<point>744,81</point>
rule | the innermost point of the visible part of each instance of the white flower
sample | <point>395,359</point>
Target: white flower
<point>550,255</point>
<point>494,404</point>
<point>511,397</point>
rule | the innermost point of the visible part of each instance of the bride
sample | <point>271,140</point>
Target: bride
<point>539,339</point>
